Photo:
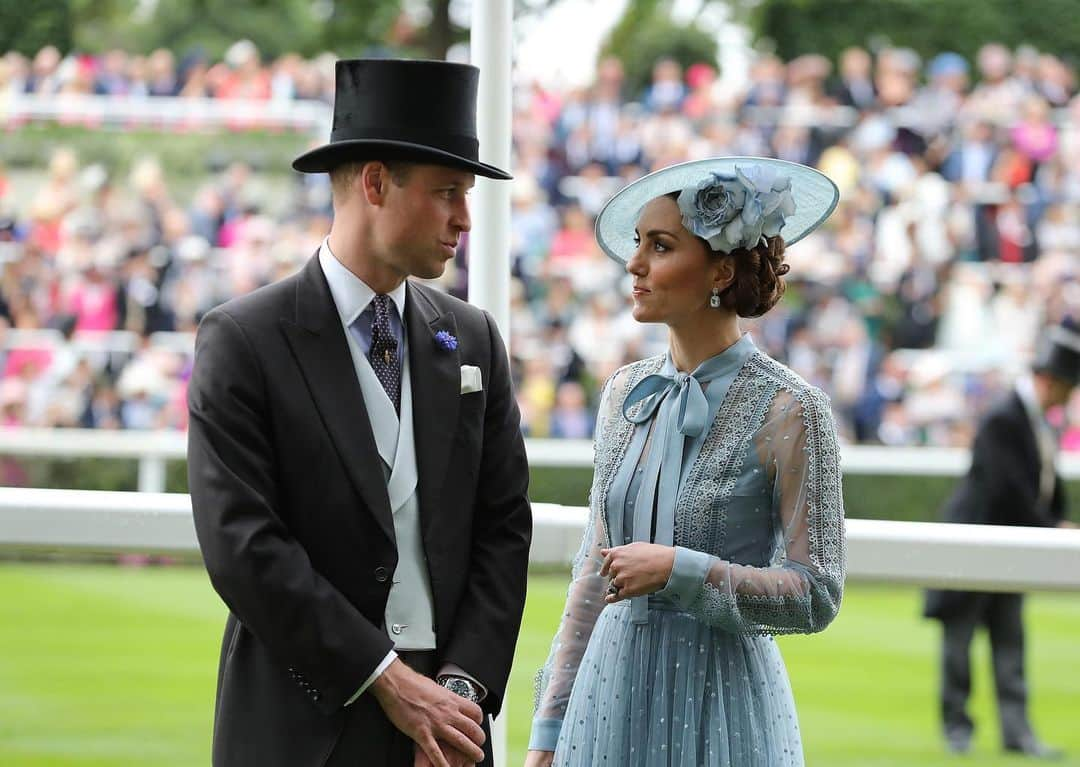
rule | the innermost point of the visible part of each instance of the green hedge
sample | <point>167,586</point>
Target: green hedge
<point>180,154</point>
<point>865,496</point>
<point>928,26</point>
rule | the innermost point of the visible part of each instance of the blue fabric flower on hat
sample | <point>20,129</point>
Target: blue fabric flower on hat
<point>446,340</point>
<point>737,211</point>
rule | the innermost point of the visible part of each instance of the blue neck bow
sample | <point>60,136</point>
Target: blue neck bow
<point>677,401</point>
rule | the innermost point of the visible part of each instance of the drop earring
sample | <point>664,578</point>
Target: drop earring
<point>714,300</point>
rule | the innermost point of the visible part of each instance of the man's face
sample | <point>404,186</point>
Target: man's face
<point>1059,391</point>
<point>421,221</point>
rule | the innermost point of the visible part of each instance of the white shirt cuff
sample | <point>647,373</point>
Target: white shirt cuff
<point>390,658</point>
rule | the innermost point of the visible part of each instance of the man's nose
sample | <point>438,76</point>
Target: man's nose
<point>462,220</point>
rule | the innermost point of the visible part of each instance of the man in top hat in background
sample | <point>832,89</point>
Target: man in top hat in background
<point>1012,481</point>
<point>355,460</point>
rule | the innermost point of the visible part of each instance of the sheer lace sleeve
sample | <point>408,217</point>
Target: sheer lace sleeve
<point>584,599</point>
<point>800,591</point>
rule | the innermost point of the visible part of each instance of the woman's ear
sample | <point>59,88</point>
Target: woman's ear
<point>723,273</point>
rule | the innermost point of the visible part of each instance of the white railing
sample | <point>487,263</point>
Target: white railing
<point>152,449</point>
<point>103,342</point>
<point>983,557</point>
<point>165,112</point>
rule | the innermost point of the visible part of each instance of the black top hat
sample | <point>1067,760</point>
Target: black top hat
<point>1059,352</point>
<point>396,109</point>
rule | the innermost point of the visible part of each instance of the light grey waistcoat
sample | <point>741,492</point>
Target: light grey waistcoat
<point>410,612</point>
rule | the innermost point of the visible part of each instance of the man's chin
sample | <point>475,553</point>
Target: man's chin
<point>431,271</point>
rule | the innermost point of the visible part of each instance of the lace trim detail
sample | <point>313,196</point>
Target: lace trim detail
<point>701,511</point>
<point>790,610</point>
<point>539,685</point>
<point>615,439</point>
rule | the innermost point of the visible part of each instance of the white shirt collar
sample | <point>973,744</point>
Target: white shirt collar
<point>1025,388</point>
<point>350,293</point>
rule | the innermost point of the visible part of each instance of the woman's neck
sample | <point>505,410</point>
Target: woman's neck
<point>699,338</point>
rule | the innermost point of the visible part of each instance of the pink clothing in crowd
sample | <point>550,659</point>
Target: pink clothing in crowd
<point>1038,141</point>
<point>94,306</point>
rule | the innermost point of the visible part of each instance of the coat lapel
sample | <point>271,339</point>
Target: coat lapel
<point>436,395</point>
<point>318,342</point>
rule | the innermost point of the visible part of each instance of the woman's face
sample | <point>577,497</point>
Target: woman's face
<point>672,269</point>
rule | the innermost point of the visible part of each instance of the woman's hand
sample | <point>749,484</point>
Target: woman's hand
<point>539,758</point>
<point>636,569</point>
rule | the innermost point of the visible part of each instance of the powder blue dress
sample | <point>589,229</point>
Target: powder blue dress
<point>737,466</point>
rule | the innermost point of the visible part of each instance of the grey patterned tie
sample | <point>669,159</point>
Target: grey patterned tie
<point>383,354</point>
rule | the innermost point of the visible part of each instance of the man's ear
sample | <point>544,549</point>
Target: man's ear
<point>374,180</point>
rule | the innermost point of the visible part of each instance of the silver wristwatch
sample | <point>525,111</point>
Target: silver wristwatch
<point>460,686</point>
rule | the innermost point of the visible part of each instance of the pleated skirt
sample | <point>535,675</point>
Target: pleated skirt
<point>677,693</point>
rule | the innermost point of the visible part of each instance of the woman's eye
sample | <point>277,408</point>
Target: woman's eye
<point>659,247</point>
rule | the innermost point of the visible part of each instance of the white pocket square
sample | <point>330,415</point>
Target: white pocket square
<point>470,379</point>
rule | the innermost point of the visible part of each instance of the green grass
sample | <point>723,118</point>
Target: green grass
<point>103,665</point>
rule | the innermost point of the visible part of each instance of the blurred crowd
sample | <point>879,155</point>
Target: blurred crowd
<point>957,238</point>
<point>241,74</point>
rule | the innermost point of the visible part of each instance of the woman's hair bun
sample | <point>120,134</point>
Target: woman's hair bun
<point>758,283</point>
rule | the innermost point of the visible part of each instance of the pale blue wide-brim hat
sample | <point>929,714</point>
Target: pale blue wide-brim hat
<point>814,193</point>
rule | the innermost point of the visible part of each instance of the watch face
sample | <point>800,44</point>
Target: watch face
<point>461,687</point>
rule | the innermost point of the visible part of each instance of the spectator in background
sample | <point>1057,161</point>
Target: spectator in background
<point>54,200</point>
<point>855,87</point>
<point>570,417</point>
<point>112,77</point>
<point>533,224</point>
<point>700,99</point>
<point>242,76</point>
<point>161,74</point>
<point>1035,136</point>
<point>1012,482</point>
<point>45,72</point>
<point>937,105</point>
<point>93,300</point>
<point>14,75</point>
<point>998,94</point>
<point>138,77</point>
<point>666,91</point>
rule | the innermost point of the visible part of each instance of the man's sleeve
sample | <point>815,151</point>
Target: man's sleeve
<point>1011,494</point>
<point>257,567</point>
<point>487,622</point>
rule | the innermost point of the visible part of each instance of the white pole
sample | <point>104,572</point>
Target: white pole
<point>489,240</point>
<point>152,474</point>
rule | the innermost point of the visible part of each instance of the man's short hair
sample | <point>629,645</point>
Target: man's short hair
<point>344,176</point>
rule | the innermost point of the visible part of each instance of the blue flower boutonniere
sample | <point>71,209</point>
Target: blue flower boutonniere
<point>446,340</point>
